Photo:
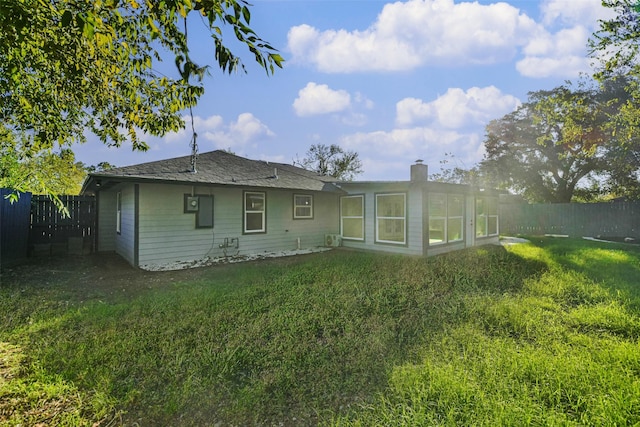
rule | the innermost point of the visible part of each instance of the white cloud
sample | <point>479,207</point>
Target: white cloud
<point>412,142</point>
<point>562,54</point>
<point>246,130</point>
<point>406,145</point>
<point>200,124</point>
<point>452,123</point>
<point>364,101</point>
<point>574,12</point>
<point>456,108</point>
<point>315,99</point>
<point>561,49</point>
<point>415,33</point>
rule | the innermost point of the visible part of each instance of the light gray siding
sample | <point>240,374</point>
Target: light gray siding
<point>125,240</point>
<point>167,234</point>
<point>414,220</point>
<point>106,221</point>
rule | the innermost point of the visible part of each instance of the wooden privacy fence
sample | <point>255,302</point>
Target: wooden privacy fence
<point>618,219</point>
<point>14,227</point>
<point>51,229</point>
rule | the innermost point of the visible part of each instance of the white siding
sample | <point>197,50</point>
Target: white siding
<point>124,241</point>
<point>106,221</point>
<point>167,234</point>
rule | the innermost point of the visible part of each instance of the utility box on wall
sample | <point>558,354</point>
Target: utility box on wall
<point>204,216</point>
<point>191,203</point>
<point>202,206</point>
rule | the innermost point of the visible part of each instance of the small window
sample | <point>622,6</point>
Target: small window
<point>352,217</point>
<point>118,212</point>
<point>391,223</point>
<point>254,212</point>
<point>302,206</point>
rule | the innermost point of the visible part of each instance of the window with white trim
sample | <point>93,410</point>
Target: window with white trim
<point>455,217</point>
<point>391,221</point>
<point>352,217</point>
<point>254,212</point>
<point>446,218</point>
<point>486,216</point>
<point>118,212</point>
<point>302,206</point>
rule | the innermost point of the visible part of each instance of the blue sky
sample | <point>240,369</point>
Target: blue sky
<point>394,82</point>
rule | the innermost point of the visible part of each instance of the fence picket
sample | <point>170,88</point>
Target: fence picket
<point>49,226</point>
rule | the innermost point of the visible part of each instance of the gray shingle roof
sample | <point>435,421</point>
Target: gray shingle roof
<point>220,168</point>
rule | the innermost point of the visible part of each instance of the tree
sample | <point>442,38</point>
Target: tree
<point>45,173</point>
<point>453,171</point>
<point>616,47</point>
<point>552,143</point>
<point>100,167</point>
<point>71,66</point>
<point>331,161</point>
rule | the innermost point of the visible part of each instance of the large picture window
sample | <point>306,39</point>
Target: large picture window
<point>391,222</point>
<point>486,216</point>
<point>352,217</point>
<point>302,206</point>
<point>446,218</point>
<point>254,212</point>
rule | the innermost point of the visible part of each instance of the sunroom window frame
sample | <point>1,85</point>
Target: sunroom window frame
<point>361,217</point>
<point>393,218</point>
<point>447,218</point>
<point>486,216</point>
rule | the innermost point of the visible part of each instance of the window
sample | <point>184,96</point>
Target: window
<point>352,217</point>
<point>446,218</point>
<point>302,206</point>
<point>455,217</point>
<point>118,211</point>
<point>390,218</point>
<point>254,212</point>
<point>486,216</point>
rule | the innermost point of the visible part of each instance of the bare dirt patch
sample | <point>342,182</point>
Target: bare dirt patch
<point>107,276</point>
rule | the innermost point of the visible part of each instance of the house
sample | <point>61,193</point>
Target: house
<point>163,211</point>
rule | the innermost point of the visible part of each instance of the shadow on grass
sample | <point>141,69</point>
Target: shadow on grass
<point>288,342</point>
<point>554,344</point>
<point>615,266</point>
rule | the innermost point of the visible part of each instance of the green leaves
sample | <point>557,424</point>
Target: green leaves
<point>555,142</point>
<point>68,67</point>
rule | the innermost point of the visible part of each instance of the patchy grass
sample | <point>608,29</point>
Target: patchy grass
<point>533,333</point>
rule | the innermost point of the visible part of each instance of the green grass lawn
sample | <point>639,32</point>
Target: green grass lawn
<point>543,333</point>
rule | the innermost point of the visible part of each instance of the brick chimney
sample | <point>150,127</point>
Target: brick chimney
<point>419,172</point>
